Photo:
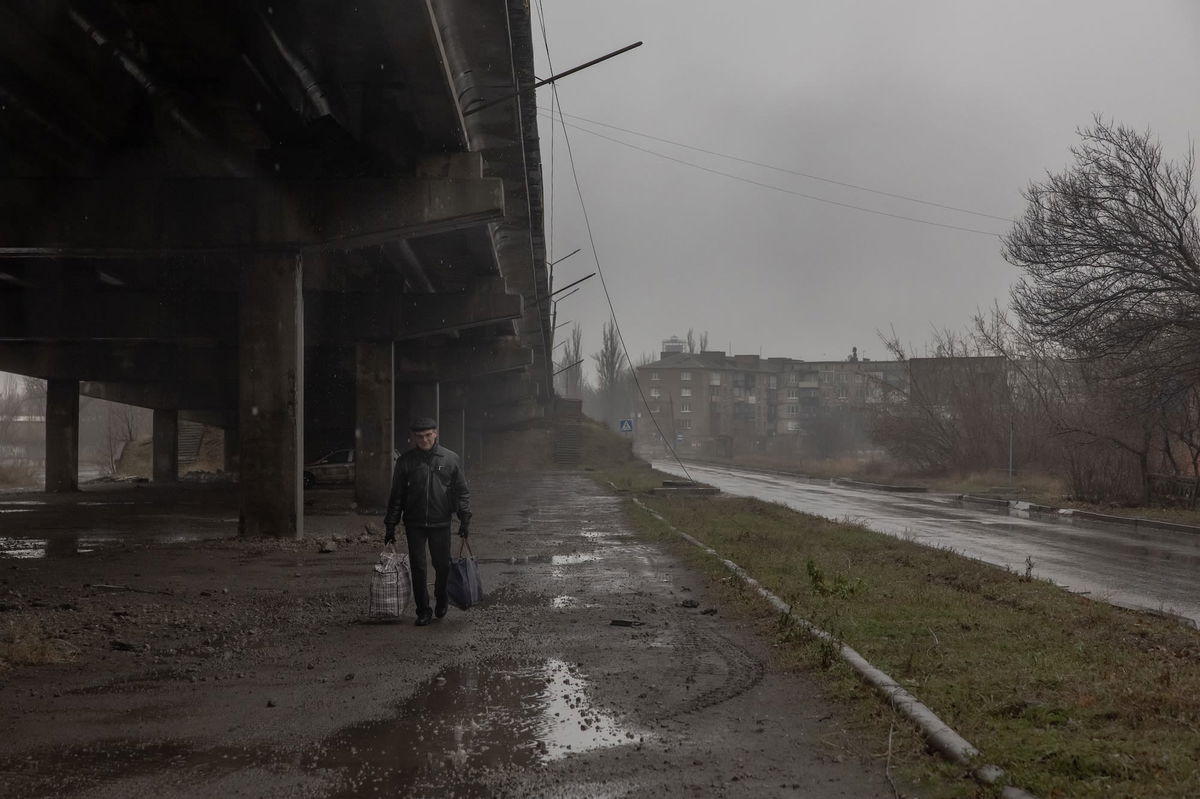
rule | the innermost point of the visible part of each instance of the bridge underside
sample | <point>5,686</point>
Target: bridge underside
<point>286,220</point>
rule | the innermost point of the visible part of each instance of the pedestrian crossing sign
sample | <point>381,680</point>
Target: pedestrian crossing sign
<point>626,426</point>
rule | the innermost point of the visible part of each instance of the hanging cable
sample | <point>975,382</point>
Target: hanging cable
<point>780,189</point>
<point>780,168</point>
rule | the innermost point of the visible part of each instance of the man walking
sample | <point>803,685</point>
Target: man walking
<point>427,487</point>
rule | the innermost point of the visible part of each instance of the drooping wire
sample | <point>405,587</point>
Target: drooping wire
<point>784,170</point>
<point>596,255</point>
<point>773,187</point>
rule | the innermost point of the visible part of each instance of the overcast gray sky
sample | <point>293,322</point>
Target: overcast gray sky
<point>956,102</point>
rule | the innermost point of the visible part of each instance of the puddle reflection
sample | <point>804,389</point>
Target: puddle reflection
<point>553,560</point>
<point>471,719</point>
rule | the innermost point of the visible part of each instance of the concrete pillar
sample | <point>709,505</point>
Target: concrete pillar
<point>414,400</point>
<point>453,421</point>
<point>271,395</point>
<point>374,426</point>
<point>62,435</point>
<point>230,447</point>
<point>166,446</point>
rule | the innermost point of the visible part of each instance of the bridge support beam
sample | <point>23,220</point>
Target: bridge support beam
<point>62,436</point>
<point>414,400</point>
<point>166,446</point>
<point>374,426</point>
<point>271,396</point>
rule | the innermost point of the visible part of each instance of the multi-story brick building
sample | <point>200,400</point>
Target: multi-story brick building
<point>713,403</point>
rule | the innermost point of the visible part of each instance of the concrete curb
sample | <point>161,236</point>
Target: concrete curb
<point>1126,521</point>
<point>899,489</point>
<point>1092,516</point>
<point>993,501</point>
<point>940,735</point>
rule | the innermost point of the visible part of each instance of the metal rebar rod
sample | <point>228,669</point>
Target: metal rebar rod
<point>552,78</point>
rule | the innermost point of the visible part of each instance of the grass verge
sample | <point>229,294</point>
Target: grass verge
<point>1071,697</point>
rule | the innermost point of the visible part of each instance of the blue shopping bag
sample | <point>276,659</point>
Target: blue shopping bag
<point>464,587</point>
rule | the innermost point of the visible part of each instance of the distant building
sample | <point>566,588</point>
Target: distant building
<point>716,404</point>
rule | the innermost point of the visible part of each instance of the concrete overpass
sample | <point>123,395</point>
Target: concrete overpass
<point>303,222</point>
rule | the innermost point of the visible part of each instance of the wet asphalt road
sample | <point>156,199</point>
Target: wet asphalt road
<point>1139,568</point>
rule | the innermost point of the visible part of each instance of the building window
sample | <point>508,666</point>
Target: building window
<point>793,394</point>
<point>685,424</point>
<point>793,427</point>
<point>685,407</point>
<point>654,375</point>
<point>685,376</point>
<point>655,393</point>
<point>714,395</point>
<point>772,382</point>
<point>685,392</point>
<point>793,410</point>
<point>793,378</point>
<point>714,378</point>
<point>654,409</point>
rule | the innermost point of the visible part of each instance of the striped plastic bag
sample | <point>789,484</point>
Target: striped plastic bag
<point>391,586</point>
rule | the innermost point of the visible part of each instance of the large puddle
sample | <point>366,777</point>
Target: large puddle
<point>468,720</point>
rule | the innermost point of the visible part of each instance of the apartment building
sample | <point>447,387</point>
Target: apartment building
<point>717,404</point>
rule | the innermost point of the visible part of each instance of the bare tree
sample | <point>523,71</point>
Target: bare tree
<point>1094,423</point>
<point>1111,255</point>
<point>570,378</point>
<point>691,340</point>
<point>956,412</point>
<point>12,405</point>
<point>704,341</point>
<point>610,368</point>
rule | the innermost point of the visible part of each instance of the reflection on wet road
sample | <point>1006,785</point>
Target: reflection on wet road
<point>1133,567</point>
<point>65,525</point>
<point>469,719</point>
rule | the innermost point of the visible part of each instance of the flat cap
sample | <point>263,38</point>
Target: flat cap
<point>423,423</point>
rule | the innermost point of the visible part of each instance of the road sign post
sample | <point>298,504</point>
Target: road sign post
<point>625,426</point>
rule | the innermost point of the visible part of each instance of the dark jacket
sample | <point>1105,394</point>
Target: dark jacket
<point>427,487</point>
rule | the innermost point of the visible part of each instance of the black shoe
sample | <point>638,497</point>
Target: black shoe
<point>423,618</point>
<point>439,610</point>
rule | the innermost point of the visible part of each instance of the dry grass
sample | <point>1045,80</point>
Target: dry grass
<point>27,644</point>
<point>1073,698</point>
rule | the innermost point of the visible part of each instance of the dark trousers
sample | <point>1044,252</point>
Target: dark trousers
<point>437,539</point>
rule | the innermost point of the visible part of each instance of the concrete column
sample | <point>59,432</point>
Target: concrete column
<point>231,441</point>
<point>166,446</point>
<point>62,435</point>
<point>453,420</point>
<point>414,400</point>
<point>271,395</point>
<point>374,426</point>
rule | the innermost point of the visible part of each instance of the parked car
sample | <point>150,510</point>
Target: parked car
<point>335,467</point>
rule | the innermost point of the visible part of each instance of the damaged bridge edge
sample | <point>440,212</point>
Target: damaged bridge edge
<point>940,735</point>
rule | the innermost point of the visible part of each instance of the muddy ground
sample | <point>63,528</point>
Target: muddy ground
<point>246,668</point>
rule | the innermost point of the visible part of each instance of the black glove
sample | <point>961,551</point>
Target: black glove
<point>389,535</point>
<point>464,529</point>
